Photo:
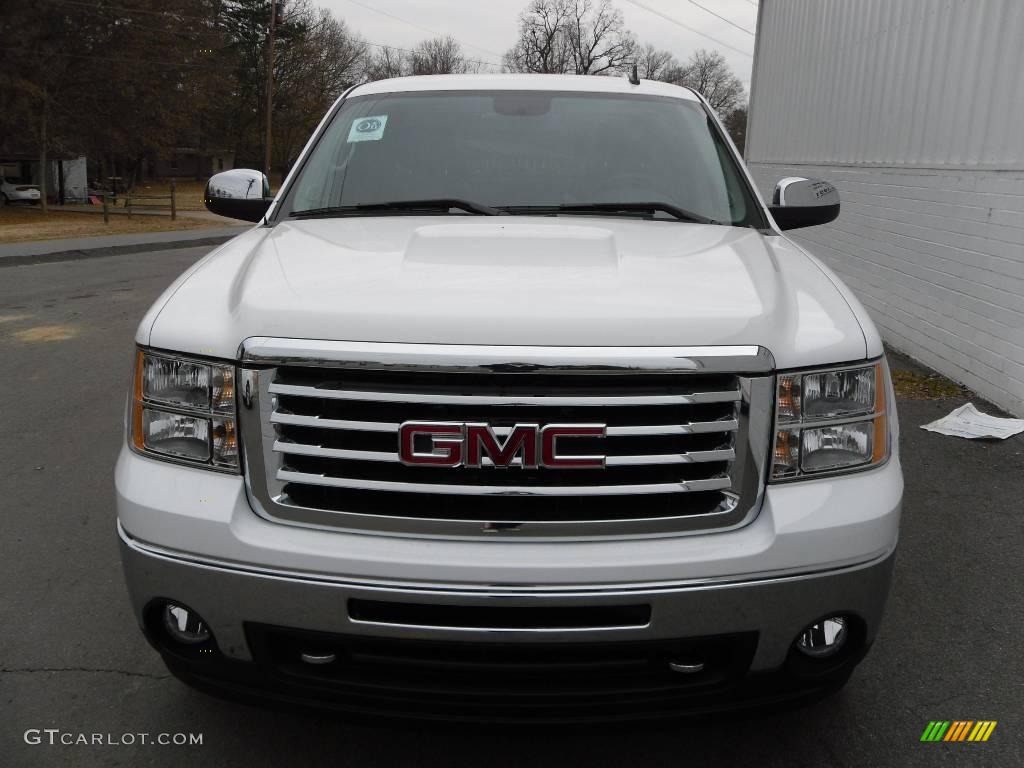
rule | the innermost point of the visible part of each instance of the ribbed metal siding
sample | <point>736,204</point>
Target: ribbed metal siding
<point>913,83</point>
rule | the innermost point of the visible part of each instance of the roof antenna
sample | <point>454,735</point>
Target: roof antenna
<point>634,77</point>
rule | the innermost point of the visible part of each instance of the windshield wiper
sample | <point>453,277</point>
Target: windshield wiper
<point>672,210</point>
<point>442,205</point>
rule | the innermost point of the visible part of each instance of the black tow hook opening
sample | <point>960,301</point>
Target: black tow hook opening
<point>686,666</point>
<point>317,658</point>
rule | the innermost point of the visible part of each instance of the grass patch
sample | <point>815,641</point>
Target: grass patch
<point>911,385</point>
<point>188,193</point>
<point>22,224</point>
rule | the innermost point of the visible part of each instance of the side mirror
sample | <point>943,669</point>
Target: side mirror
<point>800,202</point>
<point>238,194</point>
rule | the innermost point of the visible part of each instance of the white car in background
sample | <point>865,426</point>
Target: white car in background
<point>13,191</point>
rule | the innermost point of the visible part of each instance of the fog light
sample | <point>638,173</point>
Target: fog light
<point>823,638</point>
<point>185,625</point>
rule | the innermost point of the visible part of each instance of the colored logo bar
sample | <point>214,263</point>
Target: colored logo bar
<point>958,730</point>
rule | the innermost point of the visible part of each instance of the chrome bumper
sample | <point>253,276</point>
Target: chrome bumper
<point>229,596</point>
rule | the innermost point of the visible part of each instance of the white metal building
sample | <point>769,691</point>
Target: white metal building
<point>915,111</point>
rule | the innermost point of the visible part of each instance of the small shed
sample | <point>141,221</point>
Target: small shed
<point>66,179</point>
<point>188,162</point>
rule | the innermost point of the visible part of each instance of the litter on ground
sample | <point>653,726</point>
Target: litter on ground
<point>968,421</point>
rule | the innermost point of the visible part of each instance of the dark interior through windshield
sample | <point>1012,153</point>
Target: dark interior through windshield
<point>523,149</point>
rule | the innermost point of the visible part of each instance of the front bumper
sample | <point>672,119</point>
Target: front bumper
<point>262,621</point>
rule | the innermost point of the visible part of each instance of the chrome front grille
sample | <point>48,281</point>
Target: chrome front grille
<point>685,444</point>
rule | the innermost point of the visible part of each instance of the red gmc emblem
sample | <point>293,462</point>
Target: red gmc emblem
<point>471,444</point>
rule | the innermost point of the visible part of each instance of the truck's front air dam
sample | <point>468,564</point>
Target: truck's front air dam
<point>777,609</point>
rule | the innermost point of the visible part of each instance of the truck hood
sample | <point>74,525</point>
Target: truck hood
<point>579,281</point>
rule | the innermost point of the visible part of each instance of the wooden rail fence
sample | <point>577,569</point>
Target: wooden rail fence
<point>133,201</point>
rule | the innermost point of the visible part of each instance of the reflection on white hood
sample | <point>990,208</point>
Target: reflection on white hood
<point>579,281</point>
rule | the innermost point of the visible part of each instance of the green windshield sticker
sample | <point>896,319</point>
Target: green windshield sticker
<point>368,128</point>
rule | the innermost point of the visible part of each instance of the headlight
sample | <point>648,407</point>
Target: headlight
<point>184,410</point>
<point>830,421</point>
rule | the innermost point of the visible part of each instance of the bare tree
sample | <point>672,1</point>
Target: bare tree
<point>736,124</point>
<point>655,64</point>
<point>583,37</point>
<point>710,74</point>
<point>438,56</point>
<point>476,67</point>
<point>387,62</point>
<point>310,74</point>
<point>542,46</point>
<point>599,41</point>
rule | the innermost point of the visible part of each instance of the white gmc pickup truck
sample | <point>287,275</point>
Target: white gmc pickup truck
<point>515,404</point>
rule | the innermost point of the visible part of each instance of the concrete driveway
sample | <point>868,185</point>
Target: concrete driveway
<point>72,657</point>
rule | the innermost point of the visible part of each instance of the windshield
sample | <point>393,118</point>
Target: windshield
<point>522,152</point>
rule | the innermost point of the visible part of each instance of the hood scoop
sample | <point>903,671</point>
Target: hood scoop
<point>512,244</point>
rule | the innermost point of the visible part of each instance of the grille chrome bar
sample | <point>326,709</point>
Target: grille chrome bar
<point>683,486</point>
<point>641,430</point>
<point>694,398</point>
<point>368,355</point>
<point>692,428</point>
<point>691,457</point>
<point>296,420</point>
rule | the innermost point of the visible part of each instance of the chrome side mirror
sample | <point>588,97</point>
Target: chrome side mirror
<point>800,202</point>
<point>238,194</point>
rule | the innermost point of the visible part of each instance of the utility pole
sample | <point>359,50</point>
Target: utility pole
<point>270,86</point>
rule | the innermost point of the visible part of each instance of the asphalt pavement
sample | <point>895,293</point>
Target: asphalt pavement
<point>72,658</point>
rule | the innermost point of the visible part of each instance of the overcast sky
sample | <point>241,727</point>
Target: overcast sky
<point>487,28</point>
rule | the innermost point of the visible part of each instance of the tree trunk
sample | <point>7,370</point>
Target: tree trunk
<point>60,182</point>
<point>137,171</point>
<point>43,170</point>
<point>270,90</point>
